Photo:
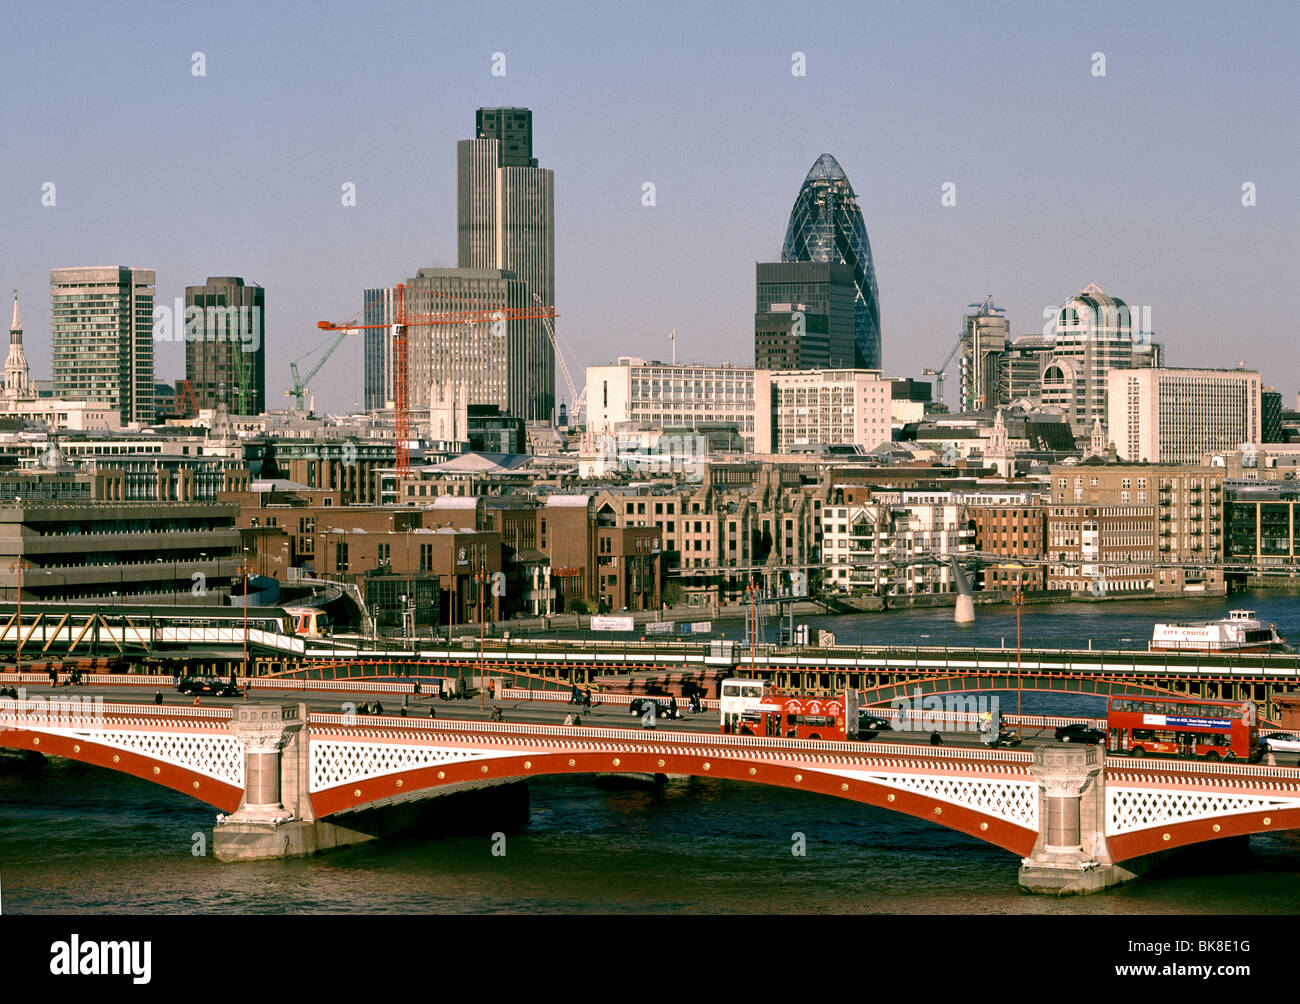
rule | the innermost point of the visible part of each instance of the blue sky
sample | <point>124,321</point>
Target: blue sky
<point>1132,180</point>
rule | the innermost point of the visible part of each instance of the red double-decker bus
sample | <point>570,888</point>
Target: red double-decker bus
<point>1175,726</point>
<point>798,717</point>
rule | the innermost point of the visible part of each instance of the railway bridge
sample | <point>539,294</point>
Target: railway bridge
<point>289,782</point>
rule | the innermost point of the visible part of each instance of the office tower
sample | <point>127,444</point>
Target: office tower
<point>506,221</point>
<point>1177,416</point>
<point>225,350</point>
<point>378,377</point>
<point>826,225</point>
<point>1094,335</point>
<point>1270,427</point>
<point>101,330</point>
<point>18,385</point>
<point>485,357</point>
<point>984,338</point>
<point>1021,369</point>
<point>803,315</point>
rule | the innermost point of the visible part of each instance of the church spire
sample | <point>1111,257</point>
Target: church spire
<point>17,381</point>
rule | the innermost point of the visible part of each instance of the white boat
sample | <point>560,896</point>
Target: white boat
<point>1240,631</point>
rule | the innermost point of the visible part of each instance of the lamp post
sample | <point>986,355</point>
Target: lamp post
<point>243,571</point>
<point>480,577</point>
<point>18,566</point>
<point>1019,600</point>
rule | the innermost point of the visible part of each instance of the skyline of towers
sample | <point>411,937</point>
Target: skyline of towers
<point>826,225</point>
<point>101,335</point>
<point>225,351</point>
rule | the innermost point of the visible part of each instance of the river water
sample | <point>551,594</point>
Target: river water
<point>77,839</point>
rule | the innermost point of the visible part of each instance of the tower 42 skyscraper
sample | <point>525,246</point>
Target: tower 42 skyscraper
<point>826,225</point>
<point>506,220</point>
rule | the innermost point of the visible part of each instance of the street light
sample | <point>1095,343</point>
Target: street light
<point>1019,600</point>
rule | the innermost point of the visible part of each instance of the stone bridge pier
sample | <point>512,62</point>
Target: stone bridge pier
<point>1071,855</point>
<point>276,818</point>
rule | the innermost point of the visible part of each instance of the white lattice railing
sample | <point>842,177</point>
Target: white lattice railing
<point>714,740</point>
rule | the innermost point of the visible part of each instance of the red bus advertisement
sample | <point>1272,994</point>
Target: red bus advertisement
<point>1167,726</point>
<point>787,716</point>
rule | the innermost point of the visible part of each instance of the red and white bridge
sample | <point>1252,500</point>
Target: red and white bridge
<point>294,782</point>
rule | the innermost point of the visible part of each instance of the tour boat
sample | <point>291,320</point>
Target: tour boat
<point>1239,632</point>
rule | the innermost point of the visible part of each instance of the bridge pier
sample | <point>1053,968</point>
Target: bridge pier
<point>1071,856</point>
<point>276,818</point>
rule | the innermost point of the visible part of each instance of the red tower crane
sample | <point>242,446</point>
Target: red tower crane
<point>482,314</point>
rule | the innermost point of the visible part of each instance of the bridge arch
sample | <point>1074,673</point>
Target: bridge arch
<point>204,787</point>
<point>401,785</point>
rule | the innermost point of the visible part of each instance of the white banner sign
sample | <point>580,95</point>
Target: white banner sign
<point>604,623</point>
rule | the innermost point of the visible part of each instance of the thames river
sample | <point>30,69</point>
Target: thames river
<point>77,839</point>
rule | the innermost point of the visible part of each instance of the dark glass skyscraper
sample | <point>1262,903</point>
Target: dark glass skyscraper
<point>826,225</point>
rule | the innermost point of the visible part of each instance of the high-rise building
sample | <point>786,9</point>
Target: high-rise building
<point>101,330</point>
<point>804,315</point>
<point>1270,402</point>
<point>17,385</point>
<point>1021,369</point>
<point>985,334</point>
<point>826,225</point>
<point>1094,335</point>
<point>506,221</point>
<point>486,357</point>
<point>225,351</point>
<point>1177,416</point>
<point>378,377</point>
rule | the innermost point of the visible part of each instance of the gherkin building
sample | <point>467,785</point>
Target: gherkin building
<point>826,225</point>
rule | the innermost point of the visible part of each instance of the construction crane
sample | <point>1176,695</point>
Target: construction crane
<point>299,383</point>
<point>484,314</point>
<point>577,402</point>
<point>981,309</point>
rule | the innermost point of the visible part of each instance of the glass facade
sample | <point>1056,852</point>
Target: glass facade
<point>826,225</point>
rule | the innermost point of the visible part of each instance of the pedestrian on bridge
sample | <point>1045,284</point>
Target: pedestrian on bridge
<point>157,697</point>
<point>586,699</point>
<point>575,697</point>
<point>936,739</point>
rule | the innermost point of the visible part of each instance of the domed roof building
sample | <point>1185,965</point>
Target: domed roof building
<point>826,225</point>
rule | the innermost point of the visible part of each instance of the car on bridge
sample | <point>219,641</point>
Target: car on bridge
<point>638,706</point>
<point>215,685</point>
<point>1281,742</point>
<point>1078,732</point>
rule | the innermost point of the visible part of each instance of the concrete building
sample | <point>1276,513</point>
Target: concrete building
<point>506,221</point>
<point>225,347</point>
<point>491,359</point>
<point>1111,519</point>
<point>101,329</point>
<point>1176,416</point>
<point>985,334</point>
<point>78,539</point>
<point>637,393</point>
<point>1262,523</point>
<point>1020,369</point>
<point>804,315</point>
<point>803,407</point>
